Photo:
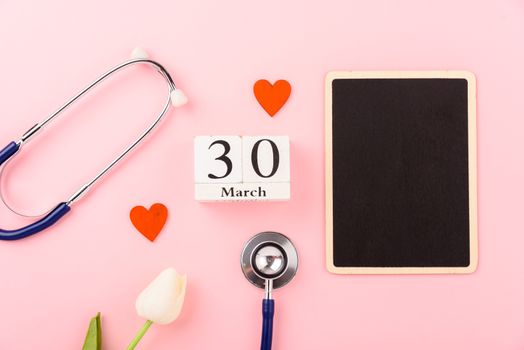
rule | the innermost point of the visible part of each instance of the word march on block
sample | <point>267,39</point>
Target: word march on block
<point>236,168</point>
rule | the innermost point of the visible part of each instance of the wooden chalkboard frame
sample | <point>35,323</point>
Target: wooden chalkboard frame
<point>472,169</point>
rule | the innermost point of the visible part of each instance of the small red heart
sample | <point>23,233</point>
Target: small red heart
<point>272,97</point>
<point>149,222</point>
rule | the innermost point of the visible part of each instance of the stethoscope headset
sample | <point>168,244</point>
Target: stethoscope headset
<point>175,98</point>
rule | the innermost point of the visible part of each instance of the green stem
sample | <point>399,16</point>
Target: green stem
<point>140,334</point>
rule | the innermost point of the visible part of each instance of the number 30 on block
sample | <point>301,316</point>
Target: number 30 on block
<point>232,168</point>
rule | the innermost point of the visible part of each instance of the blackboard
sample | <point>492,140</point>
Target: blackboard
<point>401,192</point>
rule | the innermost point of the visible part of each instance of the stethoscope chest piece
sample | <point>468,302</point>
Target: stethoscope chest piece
<point>269,261</point>
<point>269,256</point>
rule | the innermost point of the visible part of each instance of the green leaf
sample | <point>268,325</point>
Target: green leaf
<point>94,334</point>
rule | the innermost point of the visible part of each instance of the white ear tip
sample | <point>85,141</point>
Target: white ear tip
<point>178,98</point>
<point>139,53</point>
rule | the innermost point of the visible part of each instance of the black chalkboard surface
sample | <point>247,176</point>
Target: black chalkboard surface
<point>401,172</point>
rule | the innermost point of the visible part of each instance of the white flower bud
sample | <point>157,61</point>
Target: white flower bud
<point>162,300</point>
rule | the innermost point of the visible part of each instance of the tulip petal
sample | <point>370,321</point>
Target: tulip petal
<point>162,300</point>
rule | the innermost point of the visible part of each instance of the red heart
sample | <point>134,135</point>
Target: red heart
<point>149,222</point>
<point>272,97</point>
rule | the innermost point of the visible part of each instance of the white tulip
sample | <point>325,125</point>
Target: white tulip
<point>162,300</point>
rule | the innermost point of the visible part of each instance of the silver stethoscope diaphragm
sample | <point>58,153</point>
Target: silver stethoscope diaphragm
<point>269,256</point>
<point>269,261</point>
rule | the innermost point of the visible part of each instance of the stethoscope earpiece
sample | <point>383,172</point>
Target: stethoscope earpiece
<point>178,98</point>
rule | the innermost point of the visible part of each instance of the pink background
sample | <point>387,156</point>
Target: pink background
<point>94,260</point>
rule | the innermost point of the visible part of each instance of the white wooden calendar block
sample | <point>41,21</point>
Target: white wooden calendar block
<point>231,168</point>
<point>265,159</point>
<point>218,159</point>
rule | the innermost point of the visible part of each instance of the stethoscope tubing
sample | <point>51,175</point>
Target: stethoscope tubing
<point>268,312</point>
<point>9,151</point>
<point>50,219</point>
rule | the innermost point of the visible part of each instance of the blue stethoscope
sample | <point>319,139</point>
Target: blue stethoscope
<point>175,98</point>
<point>269,261</point>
